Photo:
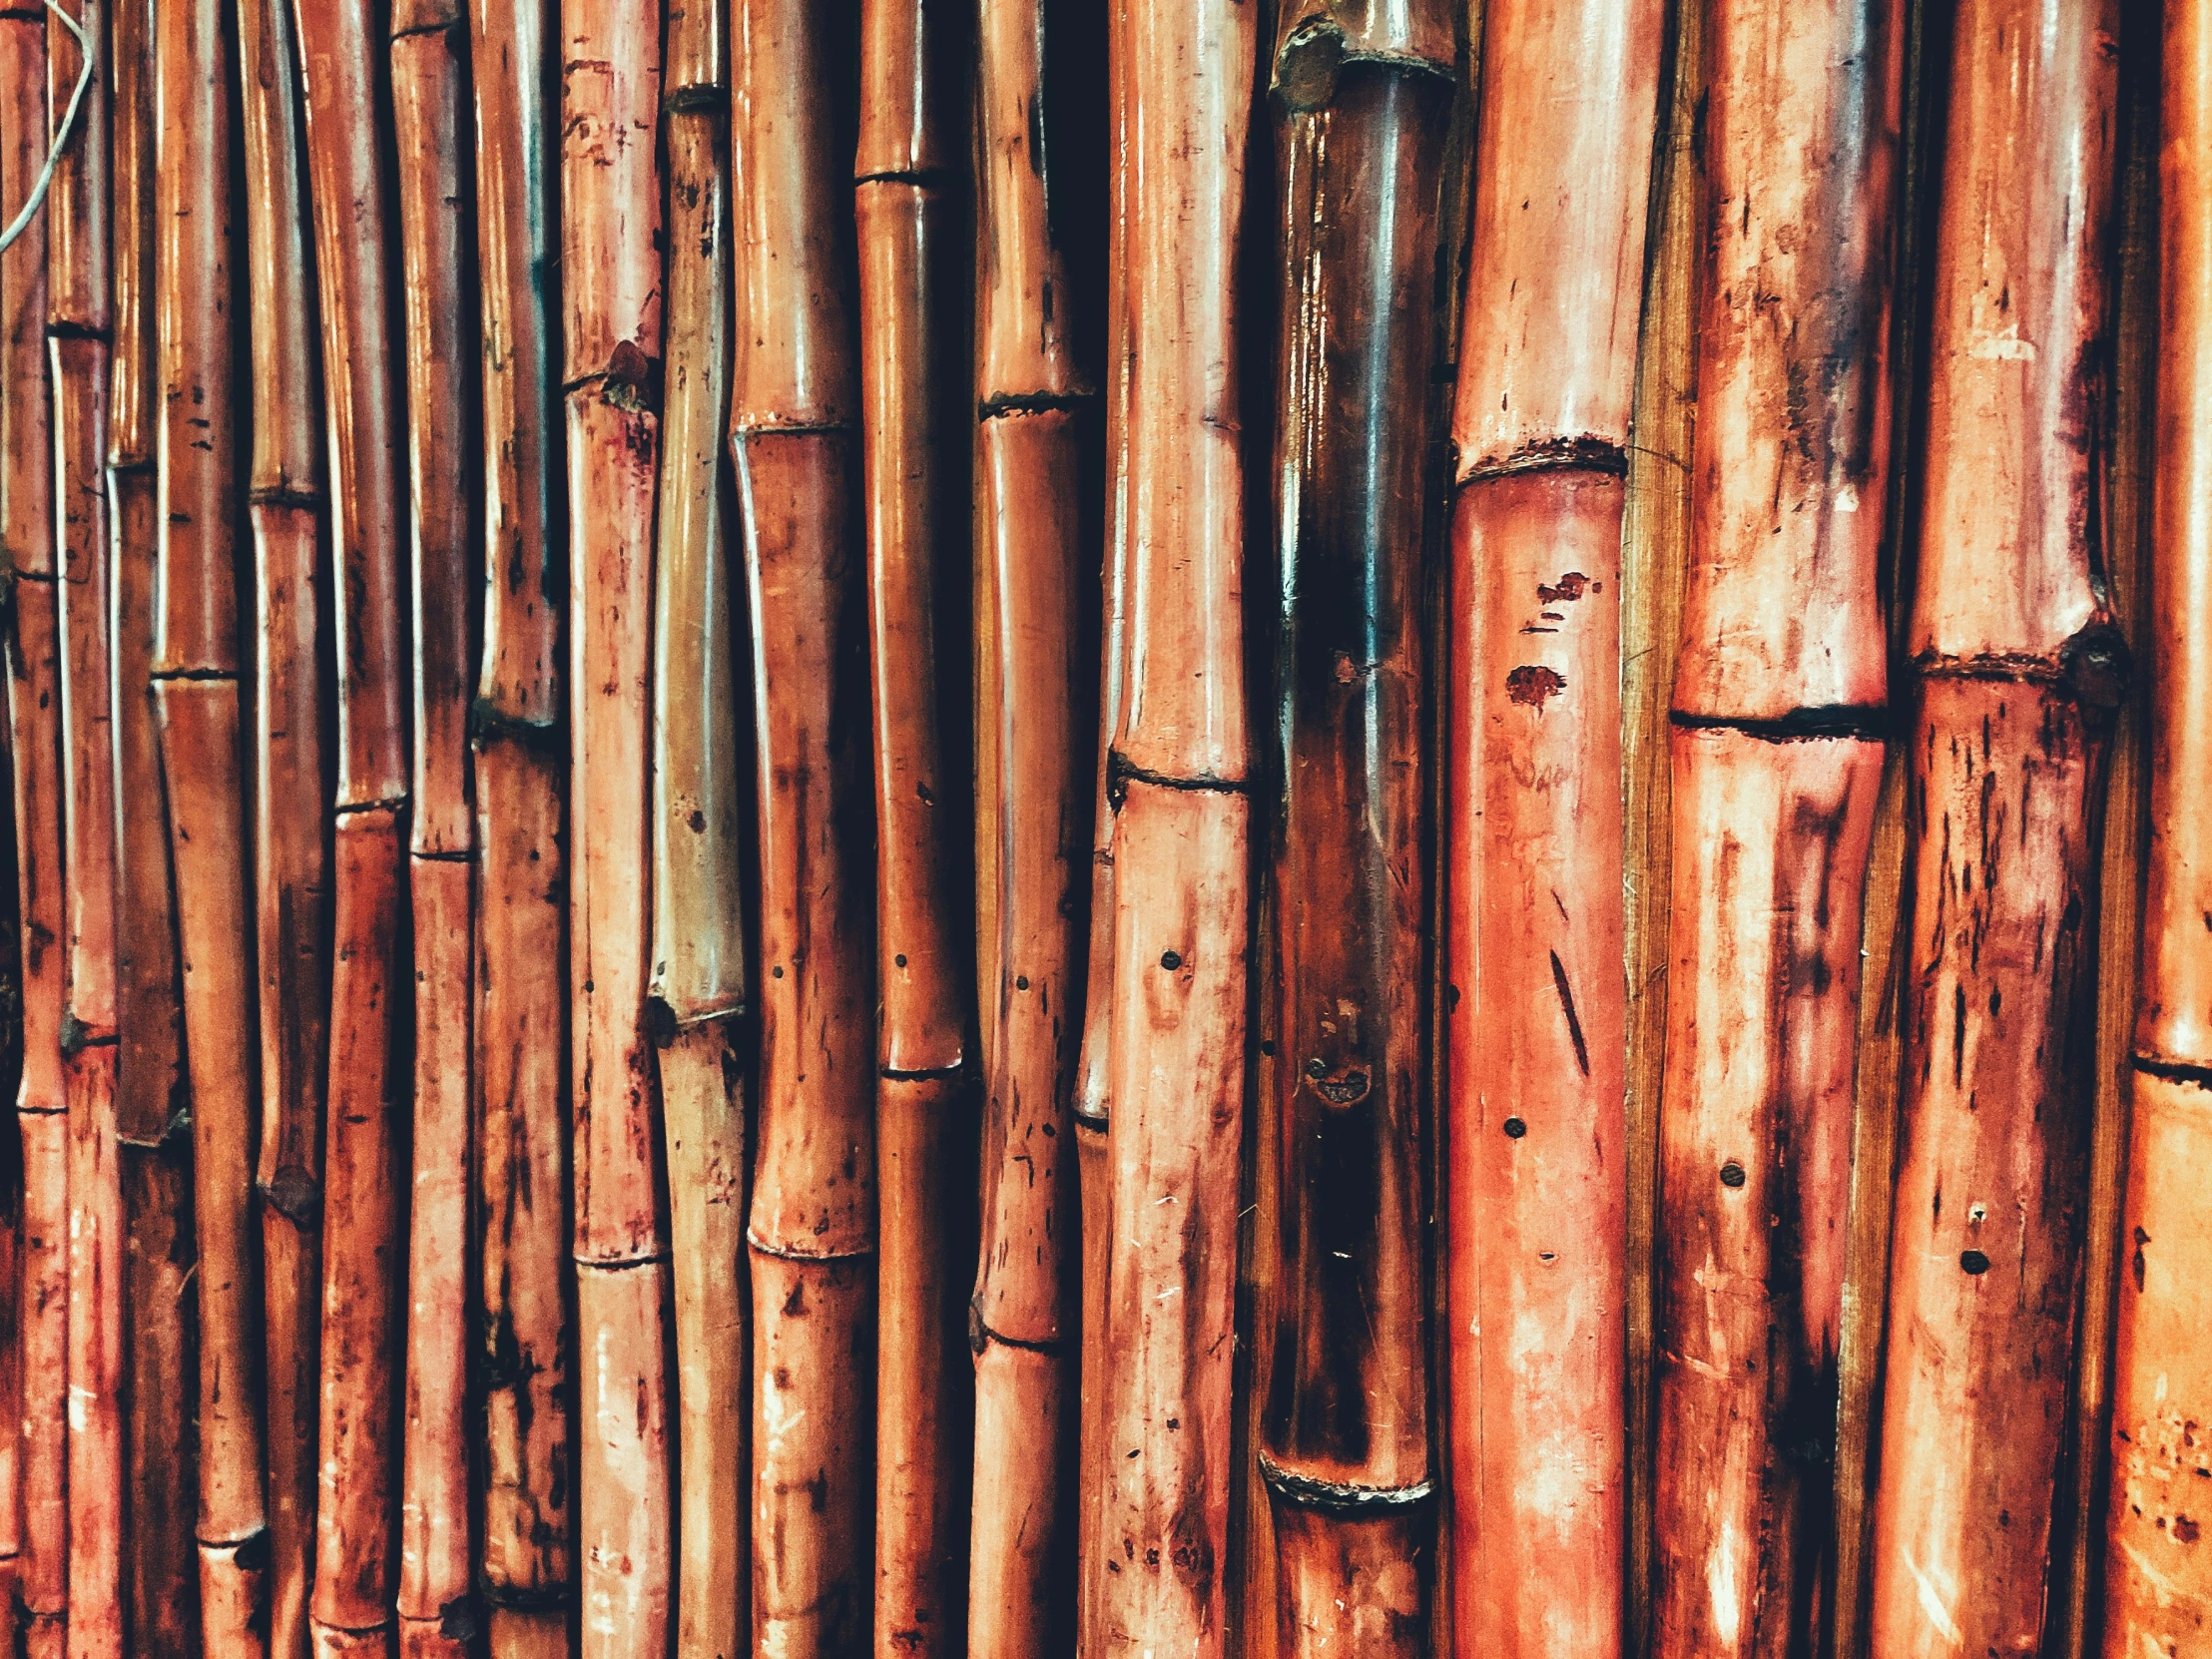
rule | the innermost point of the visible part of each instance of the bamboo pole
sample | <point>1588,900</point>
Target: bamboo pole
<point>1778,707</point>
<point>1343,1434</point>
<point>435,1604</point>
<point>1035,537</point>
<point>194,677</point>
<point>2020,665</point>
<point>910,202</point>
<point>698,986</point>
<point>1177,771</point>
<point>794,411</point>
<point>522,1177</point>
<point>356,1452</point>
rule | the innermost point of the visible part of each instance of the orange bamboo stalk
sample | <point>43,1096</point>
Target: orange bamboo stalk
<point>2020,665</point>
<point>908,201</point>
<point>436,1604</point>
<point>1035,537</point>
<point>194,677</point>
<point>1537,1258</point>
<point>351,1609</point>
<point>2158,1593</point>
<point>812,1236</point>
<point>698,986</point>
<point>522,1179</point>
<point>1779,702</point>
<point>1343,1432</point>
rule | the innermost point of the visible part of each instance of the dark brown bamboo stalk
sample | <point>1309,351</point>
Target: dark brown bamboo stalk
<point>522,1181</point>
<point>196,691</point>
<point>287,508</point>
<point>795,410</point>
<point>2020,665</point>
<point>698,986</point>
<point>358,1451</point>
<point>910,202</point>
<point>1035,536</point>
<point>1363,101</point>
<point>435,1604</point>
<point>1778,706</point>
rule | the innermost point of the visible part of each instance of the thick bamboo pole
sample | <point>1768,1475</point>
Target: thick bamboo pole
<point>2019,666</point>
<point>1362,102</point>
<point>522,1182</point>
<point>356,1445</point>
<point>194,677</point>
<point>1178,771</point>
<point>911,202</point>
<point>1035,536</point>
<point>794,413</point>
<point>1778,710</point>
<point>435,1601</point>
<point>698,986</point>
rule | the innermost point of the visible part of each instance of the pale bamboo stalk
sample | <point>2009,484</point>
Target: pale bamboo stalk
<point>351,1608</point>
<point>522,1182</point>
<point>11,1236</point>
<point>698,986</point>
<point>435,1601</point>
<point>795,409</point>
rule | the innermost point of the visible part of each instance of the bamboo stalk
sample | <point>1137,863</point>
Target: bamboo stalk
<point>194,677</point>
<point>698,986</point>
<point>522,1179</point>
<point>908,200</point>
<point>1035,536</point>
<point>1778,707</point>
<point>436,1604</point>
<point>1343,1434</point>
<point>811,1234</point>
<point>2019,666</point>
<point>356,1452</point>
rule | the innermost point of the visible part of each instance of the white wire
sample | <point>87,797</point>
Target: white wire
<point>17,224</point>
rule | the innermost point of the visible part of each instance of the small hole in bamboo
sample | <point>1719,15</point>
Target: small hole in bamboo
<point>1515,1129</point>
<point>1170,960</point>
<point>1731,1173</point>
<point>1974,1261</point>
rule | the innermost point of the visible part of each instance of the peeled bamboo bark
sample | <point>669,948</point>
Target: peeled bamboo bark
<point>435,1604</point>
<point>1178,776</point>
<point>910,203</point>
<point>1779,707</point>
<point>356,1447</point>
<point>522,1180</point>
<point>1035,537</point>
<point>794,411</point>
<point>2020,665</point>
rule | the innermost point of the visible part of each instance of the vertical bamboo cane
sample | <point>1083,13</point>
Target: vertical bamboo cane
<point>1537,1257</point>
<point>196,691</point>
<point>292,876</point>
<point>698,986</point>
<point>160,1578</point>
<point>908,202</point>
<point>522,1181</point>
<point>812,1234</point>
<point>436,1562</point>
<point>77,321</point>
<point>2019,666</point>
<point>1034,493</point>
<point>1178,767</point>
<point>356,1450</point>
<point>1778,701</point>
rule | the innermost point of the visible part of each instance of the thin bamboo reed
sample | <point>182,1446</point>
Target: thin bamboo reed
<point>1778,706</point>
<point>11,1246</point>
<point>909,201</point>
<point>1362,103</point>
<point>435,1604</point>
<point>194,678</point>
<point>358,1454</point>
<point>522,1182</point>
<point>795,413</point>
<point>1035,535</point>
<point>2020,665</point>
<point>698,986</point>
